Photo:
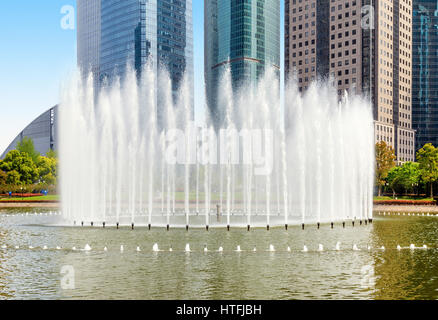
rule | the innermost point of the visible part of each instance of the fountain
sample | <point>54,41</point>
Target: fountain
<point>131,155</point>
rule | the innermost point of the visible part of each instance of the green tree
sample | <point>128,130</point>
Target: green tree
<point>410,175</point>
<point>3,177</point>
<point>394,179</point>
<point>51,154</point>
<point>47,170</point>
<point>403,178</point>
<point>13,178</point>
<point>25,169</point>
<point>427,158</point>
<point>27,146</point>
<point>385,160</point>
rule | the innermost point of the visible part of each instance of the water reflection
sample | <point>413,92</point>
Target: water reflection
<point>346,274</point>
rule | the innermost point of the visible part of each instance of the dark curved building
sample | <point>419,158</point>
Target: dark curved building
<point>43,132</point>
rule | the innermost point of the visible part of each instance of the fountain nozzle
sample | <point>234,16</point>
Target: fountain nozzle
<point>318,225</point>
<point>352,222</point>
<point>302,226</point>
<point>360,222</point>
<point>206,227</point>
<point>168,227</point>
<point>187,227</point>
<point>92,223</point>
<point>285,226</point>
<point>343,224</point>
<point>103,224</point>
<point>249,228</point>
<point>331,225</point>
<point>228,227</point>
<point>267,227</point>
<point>82,223</point>
<point>132,226</point>
<point>149,226</point>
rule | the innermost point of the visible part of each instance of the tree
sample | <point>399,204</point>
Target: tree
<point>385,160</point>
<point>47,170</point>
<point>3,177</point>
<point>51,154</point>
<point>427,158</point>
<point>403,178</point>
<point>13,178</point>
<point>27,146</point>
<point>410,175</point>
<point>19,167</point>
<point>394,179</point>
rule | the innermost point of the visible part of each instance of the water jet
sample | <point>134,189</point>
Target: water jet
<point>110,192</point>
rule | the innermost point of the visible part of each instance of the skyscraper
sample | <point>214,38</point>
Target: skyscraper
<point>88,36</point>
<point>425,72</point>
<point>115,33</point>
<point>243,36</point>
<point>365,47</point>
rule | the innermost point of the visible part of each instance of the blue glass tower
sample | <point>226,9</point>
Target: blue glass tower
<point>123,36</point>
<point>243,35</point>
<point>425,72</point>
<point>113,34</point>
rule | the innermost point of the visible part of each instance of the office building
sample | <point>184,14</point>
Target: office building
<point>365,47</point>
<point>43,131</point>
<point>425,72</point>
<point>243,36</point>
<point>113,34</point>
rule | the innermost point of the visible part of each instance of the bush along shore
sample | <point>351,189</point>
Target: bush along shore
<point>403,202</point>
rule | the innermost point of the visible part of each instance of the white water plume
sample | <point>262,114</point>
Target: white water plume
<point>131,154</point>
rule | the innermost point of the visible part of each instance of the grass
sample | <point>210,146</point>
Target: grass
<point>180,197</point>
<point>39,198</point>
<point>402,198</point>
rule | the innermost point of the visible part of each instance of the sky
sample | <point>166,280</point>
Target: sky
<point>37,55</point>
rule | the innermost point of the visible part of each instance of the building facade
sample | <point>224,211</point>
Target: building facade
<point>365,47</point>
<point>425,72</point>
<point>88,36</point>
<point>43,132</point>
<point>243,36</point>
<point>115,34</point>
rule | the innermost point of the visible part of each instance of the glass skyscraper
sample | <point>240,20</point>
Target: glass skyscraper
<point>135,32</point>
<point>425,72</point>
<point>88,37</point>
<point>243,35</point>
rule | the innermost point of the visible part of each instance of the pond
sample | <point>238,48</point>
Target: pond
<point>32,267</point>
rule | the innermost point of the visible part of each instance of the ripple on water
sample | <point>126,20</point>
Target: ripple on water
<point>35,274</point>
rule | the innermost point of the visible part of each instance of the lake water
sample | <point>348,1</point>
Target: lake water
<point>330,274</point>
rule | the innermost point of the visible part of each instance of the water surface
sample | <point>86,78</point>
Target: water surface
<point>346,274</point>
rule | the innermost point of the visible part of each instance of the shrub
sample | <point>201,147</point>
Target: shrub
<point>406,202</point>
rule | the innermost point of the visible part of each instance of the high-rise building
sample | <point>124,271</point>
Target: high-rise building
<point>365,46</point>
<point>88,36</point>
<point>113,34</point>
<point>243,36</point>
<point>425,72</point>
<point>123,36</point>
